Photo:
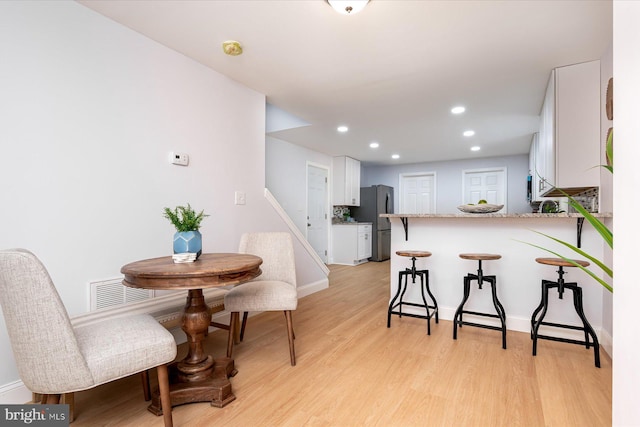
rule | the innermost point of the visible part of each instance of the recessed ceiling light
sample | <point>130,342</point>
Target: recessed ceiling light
<point>475,148</point>
<point>342,128</point>
<point>395,156</point>
<point>374,145</point>
<point>468,133</point>
<point>458,110</point>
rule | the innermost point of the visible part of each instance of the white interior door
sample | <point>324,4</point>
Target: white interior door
<point>485,184</point>
<point>317,210</point>
<point>418,193</point>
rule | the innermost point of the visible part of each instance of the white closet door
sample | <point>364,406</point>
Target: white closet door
<point>317,210</point>
<point>418,194</point>
<point>485,184</point>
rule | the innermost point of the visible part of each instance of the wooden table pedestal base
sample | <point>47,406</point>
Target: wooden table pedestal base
<point>215,387</point>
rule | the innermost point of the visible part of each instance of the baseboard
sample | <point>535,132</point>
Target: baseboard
<point>312,288</point>
<point>15,393</point>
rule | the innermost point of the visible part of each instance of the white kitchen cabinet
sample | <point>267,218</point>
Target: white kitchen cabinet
<point>364,241</point>
<point>568,147</point>
<point>351,243</point>
<point>346,181</point>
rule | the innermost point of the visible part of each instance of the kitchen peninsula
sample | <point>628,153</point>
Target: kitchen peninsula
<point>518,275</point>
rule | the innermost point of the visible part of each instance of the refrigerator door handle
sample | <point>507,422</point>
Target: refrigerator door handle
<point>386,209</point>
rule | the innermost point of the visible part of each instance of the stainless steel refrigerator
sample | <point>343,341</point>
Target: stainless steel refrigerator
<point>376,200</point>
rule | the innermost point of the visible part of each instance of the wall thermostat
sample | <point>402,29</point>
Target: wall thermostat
<point>181,159</point>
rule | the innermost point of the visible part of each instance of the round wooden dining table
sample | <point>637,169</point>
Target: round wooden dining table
<point>198,377</point>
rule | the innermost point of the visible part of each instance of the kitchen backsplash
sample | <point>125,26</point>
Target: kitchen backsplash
<point>339,213</point>
<point>588,199</point>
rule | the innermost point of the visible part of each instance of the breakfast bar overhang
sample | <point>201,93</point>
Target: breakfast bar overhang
<point>519,276</point>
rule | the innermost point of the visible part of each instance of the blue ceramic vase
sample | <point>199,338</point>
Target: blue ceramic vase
<point>187,242</point>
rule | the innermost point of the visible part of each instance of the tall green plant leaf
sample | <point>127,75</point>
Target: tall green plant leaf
<point>569,260</point>
<point>579,251</point>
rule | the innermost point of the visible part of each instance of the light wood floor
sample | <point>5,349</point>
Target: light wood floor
<point>353,371</point>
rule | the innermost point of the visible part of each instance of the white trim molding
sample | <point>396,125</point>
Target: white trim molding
<point>295,231</point>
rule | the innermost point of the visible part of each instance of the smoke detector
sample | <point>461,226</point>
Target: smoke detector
<point>232,47</point>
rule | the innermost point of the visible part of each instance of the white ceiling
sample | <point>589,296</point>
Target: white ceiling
<point>392,72</point>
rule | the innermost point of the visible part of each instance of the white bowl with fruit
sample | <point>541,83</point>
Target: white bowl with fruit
<point>481,207</point>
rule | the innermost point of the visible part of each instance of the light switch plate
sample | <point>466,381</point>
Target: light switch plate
<point>241,198</point>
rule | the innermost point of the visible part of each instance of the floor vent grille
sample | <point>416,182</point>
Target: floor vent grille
<point>110,293</point>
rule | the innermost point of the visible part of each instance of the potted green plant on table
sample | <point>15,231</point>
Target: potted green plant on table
<point>187,239</point>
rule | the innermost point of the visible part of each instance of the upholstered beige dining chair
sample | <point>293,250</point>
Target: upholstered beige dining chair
<point>55,358</point>
<point>273,290</point>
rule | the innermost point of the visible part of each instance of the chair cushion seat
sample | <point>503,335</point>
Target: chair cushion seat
<point>120,347</point>
<point>261,295</point>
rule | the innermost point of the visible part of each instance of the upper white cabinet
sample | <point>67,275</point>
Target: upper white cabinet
<point>346,181</point>
<point>568,147</point>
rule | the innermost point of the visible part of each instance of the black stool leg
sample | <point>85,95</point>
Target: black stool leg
<point>405,285</point>
<point>393,301</point>
<point>545,304</point>
<point>536,311</point>
<point>457,318</point>
<point>424,282</point>
<point>499,309</point>
<point>588,330</point>
<point>435,303</point>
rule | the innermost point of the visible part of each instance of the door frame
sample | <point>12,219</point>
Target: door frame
<point>327,202</point>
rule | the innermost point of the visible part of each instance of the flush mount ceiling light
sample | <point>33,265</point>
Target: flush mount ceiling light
<point>458,110</point>
<point>232,47</point>
<point>348,7</point>
<point>475,148</point>
<point>342,129</point>
<point>395,156</point>
<point>468,133</point>
<point>374,145</point>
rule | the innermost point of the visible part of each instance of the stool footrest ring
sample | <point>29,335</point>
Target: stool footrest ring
<point>480,325</point>
<point>566,340</point>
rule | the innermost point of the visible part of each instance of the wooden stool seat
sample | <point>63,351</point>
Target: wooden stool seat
<point>416,254</point>
<point>480,257</point>
<point>559,262</point>
<point>480,278</point>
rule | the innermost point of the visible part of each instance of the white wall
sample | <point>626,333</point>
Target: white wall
<point>606,192</point>
<point>89,111</point>
<point>449,180</point>
<point>287,176</point>
<point>626,205</point>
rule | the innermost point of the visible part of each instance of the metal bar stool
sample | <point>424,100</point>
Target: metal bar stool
<point>577,303</point>
<point>402,289</point>
<point>481,278</point>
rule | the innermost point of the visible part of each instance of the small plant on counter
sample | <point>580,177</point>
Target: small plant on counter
<point>599,226</point>
<point>184,218</point>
